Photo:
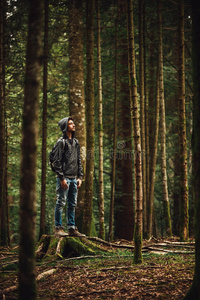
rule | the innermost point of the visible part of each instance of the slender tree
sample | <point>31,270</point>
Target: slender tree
<point>142,108</point>
<point>112,200</point>
<point>136,137</point>
<point>100,125</point>
<point>182,130</point>
<point>167,216</point>
<point>151,127</point>
<point>88,206</point>
<point>28,175</point>
<point>76,90</point>
<point>44,123</point>
<point>153,159</point>
<point>194,292</point>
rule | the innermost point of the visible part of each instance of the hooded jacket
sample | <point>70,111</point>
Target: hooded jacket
<point>68,162</point>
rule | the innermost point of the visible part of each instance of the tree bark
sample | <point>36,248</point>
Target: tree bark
<point>124,210</point>
<point>112,200</point>
<point>28,175</point>
<point>184,223</point>
<point>151,130</point>
<point>142,110</point>
<point>76,91</point>
<point>44,124</point>
<point>136,137</point>
<point>88,206</point>
<point>100,125</point>
<point>194,292</point>
<point>153,161</point>
<point>167,215</point>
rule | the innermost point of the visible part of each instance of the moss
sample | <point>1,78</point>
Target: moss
<point>52,246</point>
<point>74,247</point>
<point>42,246</point>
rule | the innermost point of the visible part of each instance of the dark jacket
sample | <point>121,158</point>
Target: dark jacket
<point>68,163</point>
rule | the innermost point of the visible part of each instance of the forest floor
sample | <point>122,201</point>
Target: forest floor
<point>162,275</point>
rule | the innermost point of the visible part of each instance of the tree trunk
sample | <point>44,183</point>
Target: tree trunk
<point>44,124</point>
<point>88,206</point>
<point>153,162</point>
<point>124,210</point>
<point>100,125</point>
<point>142,110</point>
<point>76,91</point>
<point>136,137</point>
<point>114,138</point>
<point>176,194</point>
<point>27,272</point>
<point>167,216</point>
<point>151,130</point>
<point>194,292</point>
<point>182,131</point>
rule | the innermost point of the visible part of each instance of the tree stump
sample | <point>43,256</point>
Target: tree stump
<point>62,247</point>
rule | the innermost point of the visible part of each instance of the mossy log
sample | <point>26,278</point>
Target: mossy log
<point>62,247</point>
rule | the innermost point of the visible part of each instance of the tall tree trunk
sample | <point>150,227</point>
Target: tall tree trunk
<point>2,132</point>
<point>76,91</point>
<point>87,216</point>
<point>44,124</point>
<point>136,136</point>
<point>142,110</point>
<point>153,160</point>
<point>146,97</point>
<point>182,131</point>
<point>176,190</point>
<point>114,137</point>
<point>167,216</point>
<point>124,210</point>
<point>100,125</point>
<point>27,272</point>
<point>151,131</point>
<point>194,292</point>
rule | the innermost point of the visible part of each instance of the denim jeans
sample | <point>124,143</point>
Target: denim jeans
<point>69,195</point>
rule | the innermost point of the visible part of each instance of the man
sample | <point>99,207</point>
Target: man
<point>69,177</point>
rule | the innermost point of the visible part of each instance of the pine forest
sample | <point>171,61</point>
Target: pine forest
<point>127,72</point>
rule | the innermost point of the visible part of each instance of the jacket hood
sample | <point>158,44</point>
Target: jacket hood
<point>63,126</point>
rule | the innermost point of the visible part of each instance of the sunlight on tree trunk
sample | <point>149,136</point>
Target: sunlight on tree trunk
<point>28,175</point>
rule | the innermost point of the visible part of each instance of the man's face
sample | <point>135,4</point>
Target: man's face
<point>70,126</point>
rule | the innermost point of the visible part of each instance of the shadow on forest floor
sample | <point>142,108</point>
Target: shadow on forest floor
<point>109,276</point>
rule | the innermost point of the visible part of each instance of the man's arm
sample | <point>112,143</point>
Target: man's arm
<point>80,168</point>
<point>58,164</point>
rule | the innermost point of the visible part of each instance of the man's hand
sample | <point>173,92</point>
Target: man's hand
<point>79,182</point>
<point>64,185</point>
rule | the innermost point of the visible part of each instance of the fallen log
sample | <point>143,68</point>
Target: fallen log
<point>38,278</point>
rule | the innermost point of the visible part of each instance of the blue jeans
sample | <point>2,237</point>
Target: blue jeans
<point>71,196</point>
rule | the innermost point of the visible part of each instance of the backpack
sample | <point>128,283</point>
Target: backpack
<point>54,152</point>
